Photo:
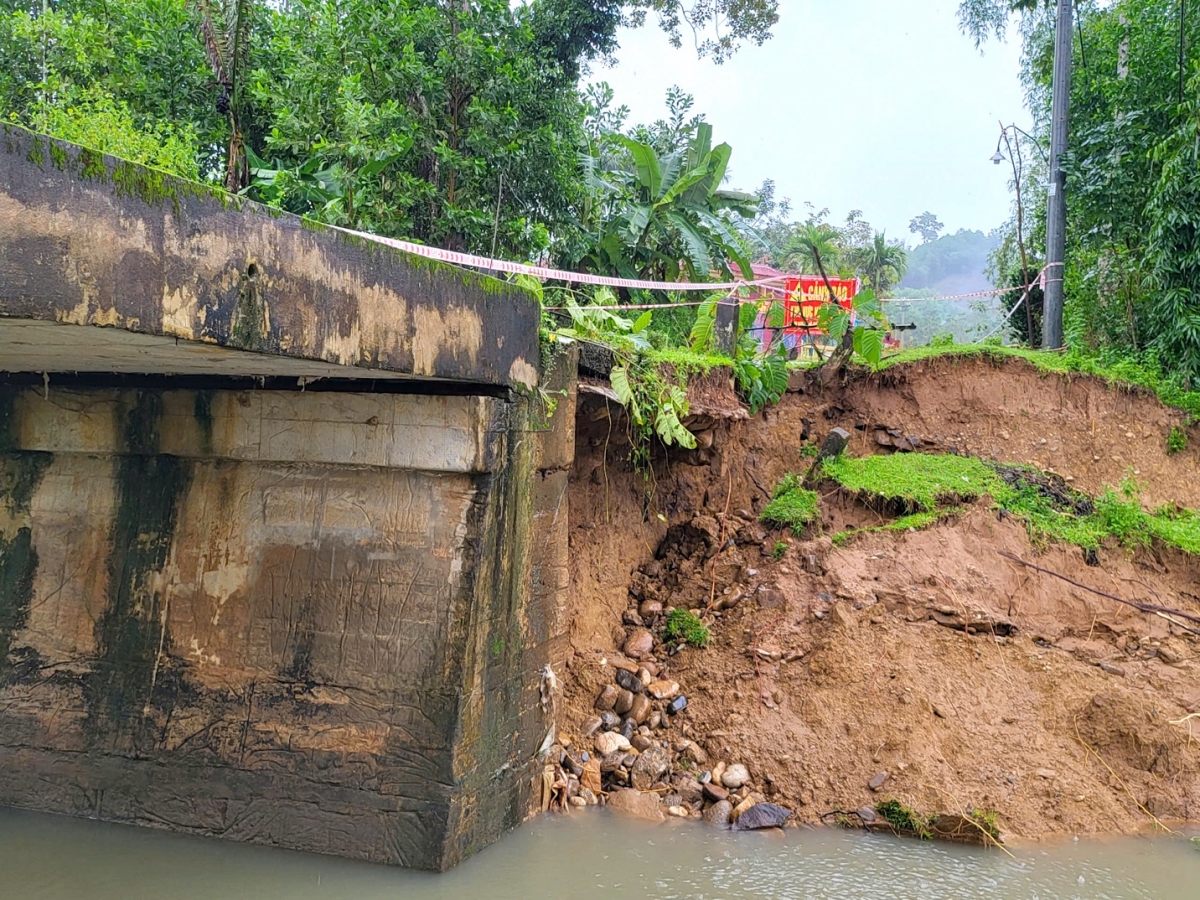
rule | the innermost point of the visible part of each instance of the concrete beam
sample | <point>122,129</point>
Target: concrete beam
<point>201,282</point>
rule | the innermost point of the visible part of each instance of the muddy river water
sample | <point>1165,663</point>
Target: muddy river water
<point>593,855</point>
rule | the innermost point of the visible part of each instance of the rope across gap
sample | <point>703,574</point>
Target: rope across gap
<point>487,264</point>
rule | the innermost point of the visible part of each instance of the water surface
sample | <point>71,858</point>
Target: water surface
<point>589,855</point>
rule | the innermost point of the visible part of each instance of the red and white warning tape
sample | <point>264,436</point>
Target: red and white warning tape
<point>471,261</point>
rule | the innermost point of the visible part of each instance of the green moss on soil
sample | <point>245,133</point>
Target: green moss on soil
<point>687,362</point>
<point>915,484</point>
<point>684,625</point>
<point>792,505</point>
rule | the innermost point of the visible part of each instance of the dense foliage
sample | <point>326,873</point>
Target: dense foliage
<point>1133,175</point>
<point>651,191</point>
<point>120,76</point>
<point>459,124</point>
<point>920,483</point>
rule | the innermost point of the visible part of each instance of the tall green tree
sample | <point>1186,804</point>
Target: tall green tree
<point>717,27</point>
<point>119,75</point>
<point>927,226</point>
<point>1129,284</point>
<point>881,262</point>
<point>446,123</point>
<point>981,19</point>
<point>814,247</point>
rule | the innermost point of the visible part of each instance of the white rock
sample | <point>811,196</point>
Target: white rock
<point>735,776</point>
<point>663,690</point>
<point>610,742</point>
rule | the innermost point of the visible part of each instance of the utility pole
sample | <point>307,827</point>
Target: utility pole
<point>1056,206</point>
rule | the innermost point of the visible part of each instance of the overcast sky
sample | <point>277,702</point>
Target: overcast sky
<point>878,105</point>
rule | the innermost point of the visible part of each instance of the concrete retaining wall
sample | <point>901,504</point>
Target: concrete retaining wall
<point>314,620</point>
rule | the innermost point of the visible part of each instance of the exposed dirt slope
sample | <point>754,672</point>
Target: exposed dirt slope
<point>833,669</point>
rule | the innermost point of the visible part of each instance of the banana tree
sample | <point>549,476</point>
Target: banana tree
<point>664,217</point>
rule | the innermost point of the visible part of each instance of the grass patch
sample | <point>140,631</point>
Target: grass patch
<point>1115,371</point>
<point>686,362</point>
<point>905,819</point>
<point>1176,440</point>
<point>684,625</point>
<point>792,505</point>
<point>916,482</point>
<point>927,487</point>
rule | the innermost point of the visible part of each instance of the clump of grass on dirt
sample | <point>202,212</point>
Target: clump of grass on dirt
<point>792,505</point>
<point>684,625</point>
<point>687,362</point>
<point>905,819</point>
<point>927,486</point>
<point>916,482</point>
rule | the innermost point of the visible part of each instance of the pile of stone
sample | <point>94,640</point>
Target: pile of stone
<point>640,761</point>
<point>635,754</point>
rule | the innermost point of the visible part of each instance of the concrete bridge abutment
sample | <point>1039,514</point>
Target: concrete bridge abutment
<point>314,618</point>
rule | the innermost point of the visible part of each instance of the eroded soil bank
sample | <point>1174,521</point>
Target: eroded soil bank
<point>845,676</point>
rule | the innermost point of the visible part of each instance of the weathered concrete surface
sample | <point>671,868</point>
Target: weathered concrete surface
<point>88,240</point>
<point>311,620</point>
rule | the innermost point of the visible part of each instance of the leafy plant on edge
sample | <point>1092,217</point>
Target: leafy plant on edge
<point>761,375</point>
<point>657,404</point>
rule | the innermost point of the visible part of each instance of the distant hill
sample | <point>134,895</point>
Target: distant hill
<point>953,264</point>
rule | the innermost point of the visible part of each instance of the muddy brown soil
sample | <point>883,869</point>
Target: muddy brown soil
<point>925,660</point>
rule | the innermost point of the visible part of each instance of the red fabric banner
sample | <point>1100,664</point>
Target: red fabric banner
<point>807,294</point>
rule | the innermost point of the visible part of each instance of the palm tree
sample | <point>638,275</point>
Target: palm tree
<point>882,263</point>
<point>813,247</point>
<point>225,30</point>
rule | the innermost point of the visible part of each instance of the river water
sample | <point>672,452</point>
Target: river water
<point>589,855</point>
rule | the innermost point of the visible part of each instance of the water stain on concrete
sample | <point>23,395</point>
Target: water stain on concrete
<point>132,628</point>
